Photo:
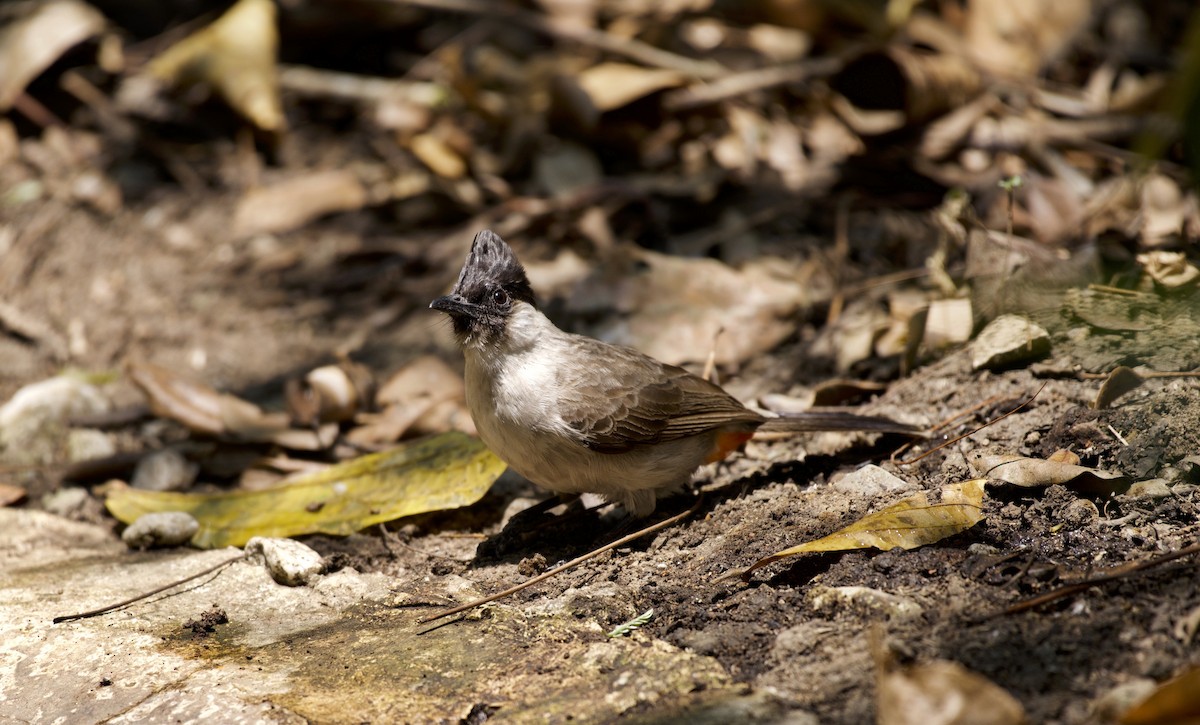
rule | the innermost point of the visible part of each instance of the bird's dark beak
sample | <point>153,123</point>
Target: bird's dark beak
<point>455,306</point>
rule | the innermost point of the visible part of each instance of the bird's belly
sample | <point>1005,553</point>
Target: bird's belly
<point>557,462</point>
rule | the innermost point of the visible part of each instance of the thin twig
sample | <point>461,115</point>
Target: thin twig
<point>972,432</point>
<point>1111,575</point>
<point>569,565</point>
<point>628,47</point>
<point>138,598</point>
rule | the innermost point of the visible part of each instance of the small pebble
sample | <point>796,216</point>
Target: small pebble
<point>289,562</point>
<point>160,530</point>
<point>66,501</point>
<point>1080,513</point>
<point>164,470</point>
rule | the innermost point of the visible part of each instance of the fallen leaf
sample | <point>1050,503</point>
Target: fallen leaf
<point>407,396</point>
<point>438,473</point>
<point>1175,702</point>
<point>330,393</point>
<point>1169,269</point>
<point>943,693</point>
<point>909,523</point>
<point>32,43</point>
<point>236,55</point>
<point>1120,381</point>
<point>10,494</point>
<point>672,308</point>
<point>613,85</point>
<point>1039,473</point>
<point>293,203</point>
<point>209,412</point>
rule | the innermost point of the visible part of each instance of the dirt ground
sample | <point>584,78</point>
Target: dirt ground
<point>782,633</point>
<point>163,276</point>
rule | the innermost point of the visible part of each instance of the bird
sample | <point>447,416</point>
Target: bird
<point>574,414</point>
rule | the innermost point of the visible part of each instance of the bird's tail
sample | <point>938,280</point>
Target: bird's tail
<point>835,420</point>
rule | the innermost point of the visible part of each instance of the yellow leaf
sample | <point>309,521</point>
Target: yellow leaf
<point>236,55</point>
<point>908,523</point>
<point>440,472</point>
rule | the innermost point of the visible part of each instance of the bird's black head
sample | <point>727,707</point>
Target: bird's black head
<point>491,282</point>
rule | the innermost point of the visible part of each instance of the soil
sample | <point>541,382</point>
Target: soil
<point>204,305</point>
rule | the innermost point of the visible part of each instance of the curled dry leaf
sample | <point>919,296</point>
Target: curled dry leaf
<point>237,56</point>
<point>1120,381</point>
<point>1039,473</point>
<point>612,85</point>
<point>942,693</point>
<point>910,522</point>
<point>10,494</point>
<point>1175,702</point>
<point>31,44</point>
<point>330,393</point>
<point>439,473</point>
<point>208,412</point>
<point>293,203</point>
<point>408,396</point>
<point>1169,269</point>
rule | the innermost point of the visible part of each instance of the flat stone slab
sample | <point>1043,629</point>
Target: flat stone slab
<point>348,648</point>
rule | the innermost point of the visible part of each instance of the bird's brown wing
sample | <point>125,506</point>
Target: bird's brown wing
<point>630,399</point>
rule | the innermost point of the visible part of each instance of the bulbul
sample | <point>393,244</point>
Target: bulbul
<point>575,415</point>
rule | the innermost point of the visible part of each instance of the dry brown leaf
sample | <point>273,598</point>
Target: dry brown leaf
<point>32,43</point>
<point>330,393</point>
<point>671,308</point>
<point>1169,269</point>
<point>10,494</point>
<point>294,202</point>
<point>236,55</point>
<point>407,396</point>
<point>943,693</point>
<point>204,410</point>
<point>612,85</point>
<point>1175,702</point>
<point>1039,473</point>
<point>1016,38</point>
<point>1120,381</point>
<point>909,523</point>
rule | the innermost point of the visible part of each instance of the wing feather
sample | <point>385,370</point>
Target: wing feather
<point>641,400</point>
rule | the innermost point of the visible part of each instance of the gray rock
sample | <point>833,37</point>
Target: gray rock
<point>164,470</point>
<point>870,481</point>
<point>1009,340</point>
<point>87,444</point>
<point>1154,488</point>
<point>160,530</point>
<point>289,562</point>
<point>66,501</point>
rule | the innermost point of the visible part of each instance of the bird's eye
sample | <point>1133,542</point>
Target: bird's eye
<point>499,297</point>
